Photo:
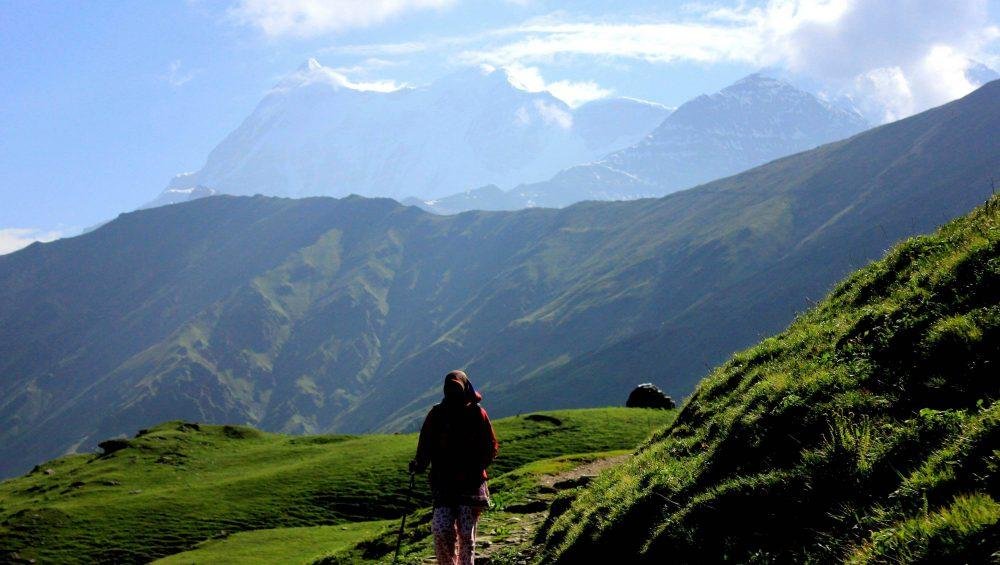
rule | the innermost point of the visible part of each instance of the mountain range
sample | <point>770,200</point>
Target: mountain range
<point>753,121</point>
<point>316,133</point>
<point>324,314</point>
<point>865,432</point>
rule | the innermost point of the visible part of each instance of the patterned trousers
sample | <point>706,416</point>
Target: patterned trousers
<point>454,530</point>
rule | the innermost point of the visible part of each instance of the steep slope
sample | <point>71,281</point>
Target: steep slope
<point>318,134</point>
<point>751,122</point>
<point>321,315</point>
<point>73,313</point>
<point>802,223</point>
<point>868,431</point>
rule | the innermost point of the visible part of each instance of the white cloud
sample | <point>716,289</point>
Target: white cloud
<point>884,94</point>
<point>943,71</point>
<point>891,93</point>
<point>660,43</point>
<point>527,78</point>
<point>177,77</point>
<point>438,43</point>
<point>571,92</point>
<point>315,73</point>
<point>366,66</point>
<point>577,93</point>
<point>554,115</point>
<point>902,56</point>
<point>893,57</point>
<point>380,49</point>
<point>522,117</point>
<point>12,239</point>
<point>309,18</point>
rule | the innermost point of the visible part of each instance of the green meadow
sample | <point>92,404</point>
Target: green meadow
<point>280,545</point>
<point>234,490</point>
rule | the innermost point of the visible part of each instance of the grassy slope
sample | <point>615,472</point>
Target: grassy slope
<point>177,485</point>
<point>280,545</point>
<point>765,244</point>
<point>867,431</point>
<point>281,312</point>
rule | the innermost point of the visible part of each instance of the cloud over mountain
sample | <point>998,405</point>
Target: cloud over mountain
<point>318,132</point>
<point>12,239</point>
<point>893,58</point>
<point>306,18</point>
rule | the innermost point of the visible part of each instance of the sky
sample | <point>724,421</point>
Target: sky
<point>103,102</point>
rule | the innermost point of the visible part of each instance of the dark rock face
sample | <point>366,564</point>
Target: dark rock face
<point>648,395</point>
<point>112,445</point>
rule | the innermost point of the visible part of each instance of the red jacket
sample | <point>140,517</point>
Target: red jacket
<point>458,442</point>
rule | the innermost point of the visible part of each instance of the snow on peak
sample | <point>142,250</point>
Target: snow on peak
<point>759,83</point>
<point>313,72</point>
<point>314,134</point>
<point>310,65</point>
<point>477,79</point>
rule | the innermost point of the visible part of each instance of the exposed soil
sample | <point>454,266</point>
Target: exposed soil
<point>511,536</point>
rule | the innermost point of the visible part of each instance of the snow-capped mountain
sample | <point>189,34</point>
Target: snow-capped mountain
<point>748,123</point>
<point>316,133</point>
<point>753,121</point>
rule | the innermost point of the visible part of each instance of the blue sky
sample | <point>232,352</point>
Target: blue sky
<point>103,102</point>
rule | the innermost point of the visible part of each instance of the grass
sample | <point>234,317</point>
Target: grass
<point>281,545</point>
<point>866,431</point>
<point>967,526</point>
<point>179,484</point>
<point>510,531</point>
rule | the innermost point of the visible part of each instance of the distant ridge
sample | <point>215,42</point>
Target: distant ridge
<point>753,121</point>
<point>318,134</point>
<point>322,314</point>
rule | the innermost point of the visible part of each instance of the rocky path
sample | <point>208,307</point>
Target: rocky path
<point>507,537</point>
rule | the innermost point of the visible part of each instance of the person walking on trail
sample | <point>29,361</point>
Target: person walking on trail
<point>458,442</point>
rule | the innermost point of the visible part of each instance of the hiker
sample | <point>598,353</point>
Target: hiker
<point>458,442</point>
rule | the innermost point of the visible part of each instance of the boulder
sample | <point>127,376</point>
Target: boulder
<point>648,395</point>
<point>112,445</point>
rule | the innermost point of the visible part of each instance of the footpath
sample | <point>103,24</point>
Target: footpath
<point>506,536</point>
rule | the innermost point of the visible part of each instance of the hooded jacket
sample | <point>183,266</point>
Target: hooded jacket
<point>458,441</point>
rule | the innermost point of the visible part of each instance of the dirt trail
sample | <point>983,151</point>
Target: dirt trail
<point>518,529</point>
<point>589,470</point>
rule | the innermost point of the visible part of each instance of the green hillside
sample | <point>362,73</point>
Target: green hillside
<point>321,315</point>
<point>179,484</point>
<point>868,431</point>
<point>306,544</point>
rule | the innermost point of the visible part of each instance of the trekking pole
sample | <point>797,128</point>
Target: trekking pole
<point>402,525</point>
